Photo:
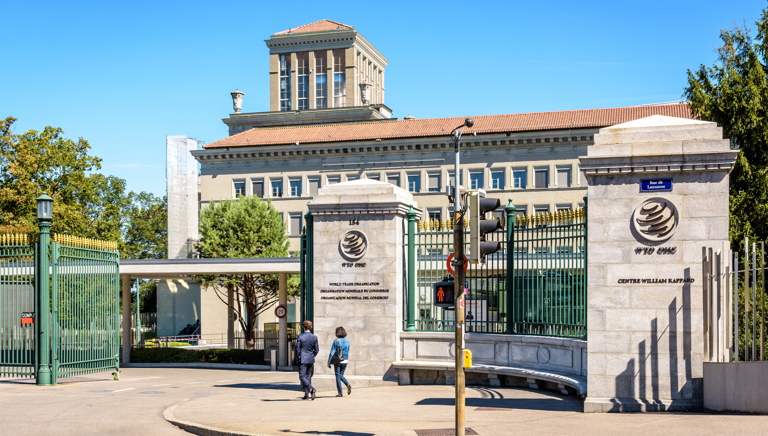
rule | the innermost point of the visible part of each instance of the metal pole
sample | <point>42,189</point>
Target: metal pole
<point>458,249</point>
<point>138,314</point>
<point>43,342</point>
<point>126,289</point>
<point>411,324</point>
<point>511,215</point>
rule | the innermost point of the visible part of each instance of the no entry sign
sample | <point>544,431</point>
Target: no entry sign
<point>451,263</point>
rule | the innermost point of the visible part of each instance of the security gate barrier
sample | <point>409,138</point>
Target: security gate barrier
<point>81,325</point>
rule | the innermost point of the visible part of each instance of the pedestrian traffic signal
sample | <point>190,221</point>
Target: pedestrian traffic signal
<point>443,295</point>
<point>479,226</point>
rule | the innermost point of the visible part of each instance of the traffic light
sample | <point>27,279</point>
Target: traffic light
<point>479,227</point>
<point>443,294</point>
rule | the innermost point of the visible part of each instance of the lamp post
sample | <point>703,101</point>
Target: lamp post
<point>458,250</point>
<point>43,340</point>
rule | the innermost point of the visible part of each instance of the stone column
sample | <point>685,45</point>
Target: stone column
<point>294,82</point>
<point>312,79</point>
<point>658,192</point>
<point>358,278</point>
<point>274,82</point>
<point>127,336</point>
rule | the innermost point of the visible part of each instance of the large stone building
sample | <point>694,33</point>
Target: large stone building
<point>321,131</point>
<point>328,124</point>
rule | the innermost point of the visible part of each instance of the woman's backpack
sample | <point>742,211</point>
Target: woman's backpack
<point>338,356</point>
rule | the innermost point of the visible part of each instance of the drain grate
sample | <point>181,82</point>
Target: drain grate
<point>152,392</point>
<point>443,432</point>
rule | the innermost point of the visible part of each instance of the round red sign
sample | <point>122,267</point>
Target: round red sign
<point>451,263</point>
<point>281,311</point>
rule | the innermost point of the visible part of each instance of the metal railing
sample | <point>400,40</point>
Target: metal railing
<point>544,272</point>
<point>734,294</point>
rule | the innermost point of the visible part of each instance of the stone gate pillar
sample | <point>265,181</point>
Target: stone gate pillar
<point>658,192</point>
<point>359,268</point>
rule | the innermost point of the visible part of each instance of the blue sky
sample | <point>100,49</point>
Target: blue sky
<point>124,75</point>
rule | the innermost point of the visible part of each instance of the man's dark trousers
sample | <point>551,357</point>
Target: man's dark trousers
<point>305,375</point>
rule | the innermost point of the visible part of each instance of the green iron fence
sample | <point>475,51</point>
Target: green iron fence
<point>82,322</point>
<point>85,302</point>
<point>536,287</point>
<point>306,274</point>
<point>17,297</point>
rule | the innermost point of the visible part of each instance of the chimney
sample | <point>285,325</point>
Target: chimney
<point>237,100</point>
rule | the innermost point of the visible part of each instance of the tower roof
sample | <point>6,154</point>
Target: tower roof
<point>317,26</point>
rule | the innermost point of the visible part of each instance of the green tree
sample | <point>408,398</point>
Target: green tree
<point>734,94</point>
<point>244,228</point>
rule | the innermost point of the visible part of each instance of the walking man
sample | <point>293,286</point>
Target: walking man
<point>307,348</point>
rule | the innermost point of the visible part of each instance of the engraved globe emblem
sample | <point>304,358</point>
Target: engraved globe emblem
<point>656,219</point>
<point>354,244</point>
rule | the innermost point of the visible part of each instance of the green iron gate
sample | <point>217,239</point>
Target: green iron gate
<point>85,302</point>
<point>535,285</point>
<point>17,297</point>
<point>306,296</point>
<point>82,325</point>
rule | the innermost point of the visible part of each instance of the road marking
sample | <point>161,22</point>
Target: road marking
<point>166,384</point>
<point>126,389</point>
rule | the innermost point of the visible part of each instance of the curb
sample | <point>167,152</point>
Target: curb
<point>206,366</point>
<point>200,429</point>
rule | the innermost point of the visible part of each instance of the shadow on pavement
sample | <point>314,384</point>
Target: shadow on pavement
<point>333,433</point>
<point>281,386</point>
<point>495,400</point>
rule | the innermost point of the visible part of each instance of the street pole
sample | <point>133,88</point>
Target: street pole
<point>458,250</point>
<point>43,342</point>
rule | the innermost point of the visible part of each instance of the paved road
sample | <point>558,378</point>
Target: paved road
<point>268,403</point>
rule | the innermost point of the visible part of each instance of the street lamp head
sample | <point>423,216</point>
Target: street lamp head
<point>468,122</point>
<point>44,208</point>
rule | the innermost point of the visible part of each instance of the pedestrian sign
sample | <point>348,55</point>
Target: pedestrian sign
<point>443,295</point>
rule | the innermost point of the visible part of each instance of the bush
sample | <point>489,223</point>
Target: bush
<point>178,355</point>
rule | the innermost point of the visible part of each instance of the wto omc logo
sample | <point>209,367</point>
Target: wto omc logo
<point>354,244</point>
<point>656,220</point>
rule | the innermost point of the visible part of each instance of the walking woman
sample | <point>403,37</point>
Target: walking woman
<point>339,358</point>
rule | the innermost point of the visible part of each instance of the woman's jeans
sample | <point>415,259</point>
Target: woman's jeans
<point>339,369</point>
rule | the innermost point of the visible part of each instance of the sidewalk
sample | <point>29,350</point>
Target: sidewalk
<point>218,402</point>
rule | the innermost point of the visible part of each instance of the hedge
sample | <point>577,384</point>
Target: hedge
<point>179,355</point>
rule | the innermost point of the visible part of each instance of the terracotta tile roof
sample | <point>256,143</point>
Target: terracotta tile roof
<point>317,26</point>
<point>443,126</point>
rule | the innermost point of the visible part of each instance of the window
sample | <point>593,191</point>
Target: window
<point>451,178</point>
<point>394,179</point>
<point>520,212</point>
<point>339,82</point>
<point>497,179</point>
<point>321,81</point>
<point>518,177</point>
<point>295,223</point>
<point>314,185</point>
<point>476,179</point>
<point>258,188</point>
<point>285,82</point>
<point>334,179</point>
<point>277,188</point>
<point>563,177</point>
<point>302,78</point>
<point>414,182</point>
<point>433,182</point>
<point>351,177</point>
<point>582,177</point>
<point>295,187</point>
<point>435,214</point>
<point>373,176</point>
<point>542,177</point>
<point>563,207</point>
<point>239,188</point>
<point>540,209</point>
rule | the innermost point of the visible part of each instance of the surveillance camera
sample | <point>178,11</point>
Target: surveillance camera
<point>474,133</point>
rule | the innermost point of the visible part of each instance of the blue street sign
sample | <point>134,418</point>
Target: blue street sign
<point>656,185</point>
